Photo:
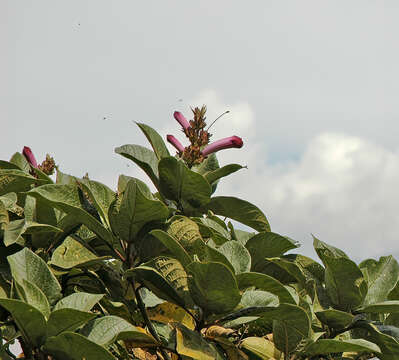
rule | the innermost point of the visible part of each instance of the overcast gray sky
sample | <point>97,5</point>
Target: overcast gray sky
<point>312,87</point>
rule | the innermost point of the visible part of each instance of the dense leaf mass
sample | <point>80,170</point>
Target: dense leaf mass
<point>87,272</point>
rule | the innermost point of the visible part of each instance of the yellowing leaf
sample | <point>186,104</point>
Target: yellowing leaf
<point>168,312</point>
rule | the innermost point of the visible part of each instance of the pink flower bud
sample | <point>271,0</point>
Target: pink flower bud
<point>226,143</point>
<point>176,143</point>
<point>27,152</point>
<point>181,120</point>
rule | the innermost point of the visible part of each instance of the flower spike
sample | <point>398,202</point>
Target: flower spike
<point>226,143</point>
<point>181,120</point>
<point>176,143</point>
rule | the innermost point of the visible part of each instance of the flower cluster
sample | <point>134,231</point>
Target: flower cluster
<point>199,147</point>
<point>47,166</point>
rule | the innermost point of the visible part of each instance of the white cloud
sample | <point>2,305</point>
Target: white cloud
<point>343,189</point>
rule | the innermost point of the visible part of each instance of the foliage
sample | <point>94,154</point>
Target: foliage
<point>91,273</point>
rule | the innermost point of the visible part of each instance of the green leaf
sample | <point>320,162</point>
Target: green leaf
<point>144,158</point>
<point>71,253</point>
<point>345,284</point>
<point>292,268</point>
<point>213,287</point>
<point>260,347</point>
<point>4,219</point>
<point>101,196</point>
<point>192,345</point>
<point>128,216</point>
<point>291,325</point>
<point>26,265</point>
<point>328,346</point>
<point>239,210</point>
<point>177,182</point>
<point>344,281</point>
<point>186,232</point>
<point>323,249</point>
<point>67,320</point>
<point>389,346</point>
<point>108,329</point>
<point>33,295</point>
<point>215,175</point>
<point>30,321</point>
<point>79,301</point>
<point>72,346</point>
<point>266,283</point>
<point>268,244</point>
<point>67,199</point>
<point>17,228</point>
<point>155,140</point>
<point>173,246</point>
<point>237,255</point>
<point>381,307</point>
<point>334,318</point>
<point>19,160</point>
<point>8,165</point>
<point>155,282</point>
<point>382,277</point>
<point>15,181</point>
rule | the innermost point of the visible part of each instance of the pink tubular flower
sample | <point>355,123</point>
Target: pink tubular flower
<point>181,120</point>
<point>27,152</point>
<point>176,143</point>
<point>226,143</point>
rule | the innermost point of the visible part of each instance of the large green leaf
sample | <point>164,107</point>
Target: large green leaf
<point>135,209</point>
<point>266,283</point>
<point>160,286</point>
<point>8,165</point>
<point>156,141</point>
<point>144,158</point>
<point>101,196</point>
<point>192,345</point>
<point>179,183</point>
<point>329,346</point>
<point>382,276</point>
<point>108,329</point>
<point>291,268</point>
<point>389,345</point>
<point>27,265</point>
<point>344,281</point>
<point>12,180</point>
<point>30,321</point>
<point>334,318</point>
<point>19,160</point>
<point>291,325</point>
<point>79,301</point>
<point>239,210</point>
<point>323,249</point>
<point>345,284</point>
<point>72,346</point>
<point>237,255</point>
<point>186,232</point>
<point>33,295</point>
<point>67,198</point>
<point>387,307</point>
<point>71,253</point>
<point>268,244</point>
<point>226,170</point>
<point>213,287</point>
<point>173,246</point>
<point>4,219</point>
<point>67,320</point>
<point>17,228</point>
<point>260,347</point>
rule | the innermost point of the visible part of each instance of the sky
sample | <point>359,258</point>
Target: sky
<point>311,86</point>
